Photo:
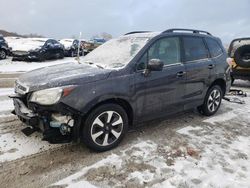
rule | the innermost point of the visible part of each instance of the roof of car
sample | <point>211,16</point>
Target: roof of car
<point>67,40</point>
<point>192,32</point>
<point>143,34</point>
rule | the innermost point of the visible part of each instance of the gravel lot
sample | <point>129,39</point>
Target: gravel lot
<point>186,150</point>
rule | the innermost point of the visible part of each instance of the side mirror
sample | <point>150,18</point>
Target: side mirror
<point>155,65</point>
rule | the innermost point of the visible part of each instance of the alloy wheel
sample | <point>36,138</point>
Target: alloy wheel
<point>107,128</point>
<point>2,54</point>
<point>214,100</point>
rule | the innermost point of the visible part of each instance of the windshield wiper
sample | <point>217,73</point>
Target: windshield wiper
<point>91,63</point>
<point>99,66</point>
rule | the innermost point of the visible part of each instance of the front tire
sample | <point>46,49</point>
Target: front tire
<point>105,127</point>
<point>212,101</point>
<point>3,54</point>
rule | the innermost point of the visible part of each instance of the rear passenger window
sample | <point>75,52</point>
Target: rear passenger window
<point>214,47</point>
<point>195,48</point>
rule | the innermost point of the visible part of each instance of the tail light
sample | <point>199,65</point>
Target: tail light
<point>230,61</point>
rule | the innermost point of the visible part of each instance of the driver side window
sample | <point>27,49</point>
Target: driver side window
<point>143,62</point>
<point>165,49</point>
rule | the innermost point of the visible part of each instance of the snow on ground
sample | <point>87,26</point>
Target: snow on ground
<point>8,66</point>
<point>232,113</point>
<point>143,165</point>
<point>213,153</point>
<point>6,91</point>
<point>6,105</point>
<point>13,143</point>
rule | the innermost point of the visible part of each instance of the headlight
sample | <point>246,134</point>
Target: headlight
<point>47,96</point>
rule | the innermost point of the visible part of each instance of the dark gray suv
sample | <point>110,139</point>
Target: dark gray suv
<point>135,78</point>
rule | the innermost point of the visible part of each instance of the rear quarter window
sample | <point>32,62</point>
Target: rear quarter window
<point>194,49</point>
<point>214,47</point>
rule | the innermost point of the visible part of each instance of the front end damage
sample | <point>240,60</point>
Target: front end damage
<point>58,123</point>
<point>25,55</point>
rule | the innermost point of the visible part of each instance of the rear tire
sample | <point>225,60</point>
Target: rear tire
<point>3,54</point>
<point>212,101</point>
<point>72,53</point>
<point>60,55</point>
<point>242,56</point>
<point>105,127</point>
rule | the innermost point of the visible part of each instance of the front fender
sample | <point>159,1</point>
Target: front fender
<point>85,97</point>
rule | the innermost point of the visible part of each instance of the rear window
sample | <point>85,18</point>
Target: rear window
<point>214,47</point>
<point>195,48</point>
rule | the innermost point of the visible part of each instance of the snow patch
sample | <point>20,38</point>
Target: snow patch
<point>6,91</point>
<point>113,159</point>
<point>8,66</point>
<point>6,105</point>
<point>16,145</point>
<point>242,110</point>
<point>186,130</point>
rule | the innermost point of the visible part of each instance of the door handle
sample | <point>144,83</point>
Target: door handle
<point>211,66</point>
<point>180,74</point>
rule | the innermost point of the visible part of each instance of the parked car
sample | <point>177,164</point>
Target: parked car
<point>4,48</point>
<point>239,51</point>
<point>126,81</point>
<point>71,47</point>
<point>13,42</point>
<point>38,49</point>
<point>92,44</point>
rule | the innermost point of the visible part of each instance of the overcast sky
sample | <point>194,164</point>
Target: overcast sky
<point>64,18</point>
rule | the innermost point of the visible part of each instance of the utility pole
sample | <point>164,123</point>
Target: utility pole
<point>78,51</point>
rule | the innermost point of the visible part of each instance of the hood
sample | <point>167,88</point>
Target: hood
<point>66,43</point>
<point>27,44</point>
<point>61,75</point>
<point>26,47</point>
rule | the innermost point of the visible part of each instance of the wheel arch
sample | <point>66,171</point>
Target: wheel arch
<point>5,50</point>
<point>220,82</point>
<point>120,101</point>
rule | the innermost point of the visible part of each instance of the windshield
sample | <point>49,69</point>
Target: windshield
<point>116,53</point>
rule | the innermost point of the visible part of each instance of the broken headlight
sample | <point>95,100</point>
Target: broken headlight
<point>47,96</point>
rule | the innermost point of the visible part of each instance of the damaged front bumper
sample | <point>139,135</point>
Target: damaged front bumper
<point>25,56</point>
<point>56,126</point>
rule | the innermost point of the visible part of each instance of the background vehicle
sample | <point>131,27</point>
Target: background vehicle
<point>92,44</point>
<point>239,51</point>
<point>4,48</point>
<point>150,75</point>
<point>71,47</point>
<point>38,49</point>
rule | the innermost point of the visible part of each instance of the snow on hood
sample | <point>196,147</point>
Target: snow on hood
<point>26,44</point>
<point>62,74</point>
<point>67,42</point>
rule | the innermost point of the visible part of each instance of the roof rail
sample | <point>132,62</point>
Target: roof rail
<point>133,32</point>
<point>191,30</point>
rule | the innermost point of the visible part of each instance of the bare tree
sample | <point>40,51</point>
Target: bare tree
<point>103,35</point>
<point>106,36</point>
